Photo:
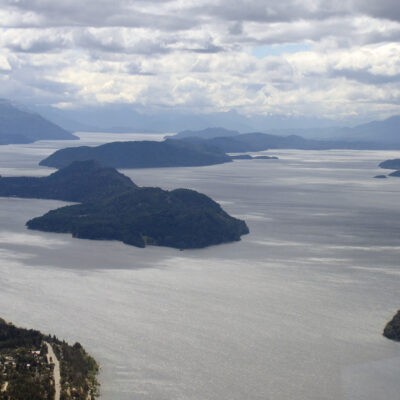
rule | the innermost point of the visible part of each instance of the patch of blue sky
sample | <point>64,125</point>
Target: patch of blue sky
<point>279,49</point>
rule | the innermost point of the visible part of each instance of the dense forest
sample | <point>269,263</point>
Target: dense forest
<point>80,181</point>
<point>141,154</point>
<point>114,208</point>
<point>392,328</point>
<point>180,218</point>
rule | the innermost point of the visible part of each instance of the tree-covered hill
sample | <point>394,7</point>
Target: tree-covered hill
<point>80,181</point>
<point>141,154</point>
<point>114,208</point>
<point>180,218</point>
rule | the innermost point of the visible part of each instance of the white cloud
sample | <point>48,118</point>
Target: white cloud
<point>198,54</point>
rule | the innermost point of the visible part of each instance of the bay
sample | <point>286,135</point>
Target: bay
<point>293,311</point>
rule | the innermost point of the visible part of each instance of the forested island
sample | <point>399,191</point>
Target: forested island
<point>35,366</point>
<point>114,208</point>
<point>180,218</point>
<point>392,328</point>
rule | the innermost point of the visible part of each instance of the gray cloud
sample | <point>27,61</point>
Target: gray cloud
<point>387,9</point>
<point>41,45</point>
<point>365,76</point>
<point>114,42</point>
<point>277,11</point>
<point>136,68</point>
<point>94,13</point>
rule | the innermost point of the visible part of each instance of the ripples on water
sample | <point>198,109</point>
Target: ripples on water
<point>293,311</point>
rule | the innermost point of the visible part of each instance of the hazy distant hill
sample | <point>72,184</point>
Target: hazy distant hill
<point>120,118</point>
<point>386,131</point>
<point>128,118</point>
<point>19,126</point>
<point>141,154</point>
<point>376,134</point>
<point>258,141</point>
<point>208,133</point>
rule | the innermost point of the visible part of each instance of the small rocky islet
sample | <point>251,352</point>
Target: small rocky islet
<point>390,164</point>
<point>392,328</point>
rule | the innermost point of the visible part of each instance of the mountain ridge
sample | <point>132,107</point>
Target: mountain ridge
<point>18,126</point>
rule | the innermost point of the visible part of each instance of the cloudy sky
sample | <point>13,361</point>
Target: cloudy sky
<point>336,59</point>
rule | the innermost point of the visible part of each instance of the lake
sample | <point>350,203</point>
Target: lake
<point>295,310</point>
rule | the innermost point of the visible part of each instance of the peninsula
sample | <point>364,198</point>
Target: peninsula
<point>141,154</point>
<point>35,366</point>
<point>78,182</point>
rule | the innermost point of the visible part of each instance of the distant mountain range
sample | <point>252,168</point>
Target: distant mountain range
<point>371,135</point>
<point>20,126</point>
<point>121,118</point>
<point>233,142</point>
<point>127,118</point>
<point>386,131</point>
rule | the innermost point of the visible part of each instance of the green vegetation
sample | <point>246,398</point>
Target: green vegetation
<point>80,181</point>
<point>180,218</point>
<point>141,154</point>
<point>25,372</point>
<point>114,208</point>
<point>392,328</point>
<point>78,372</point>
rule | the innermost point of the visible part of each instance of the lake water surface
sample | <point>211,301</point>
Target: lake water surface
<point>293,311</point>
